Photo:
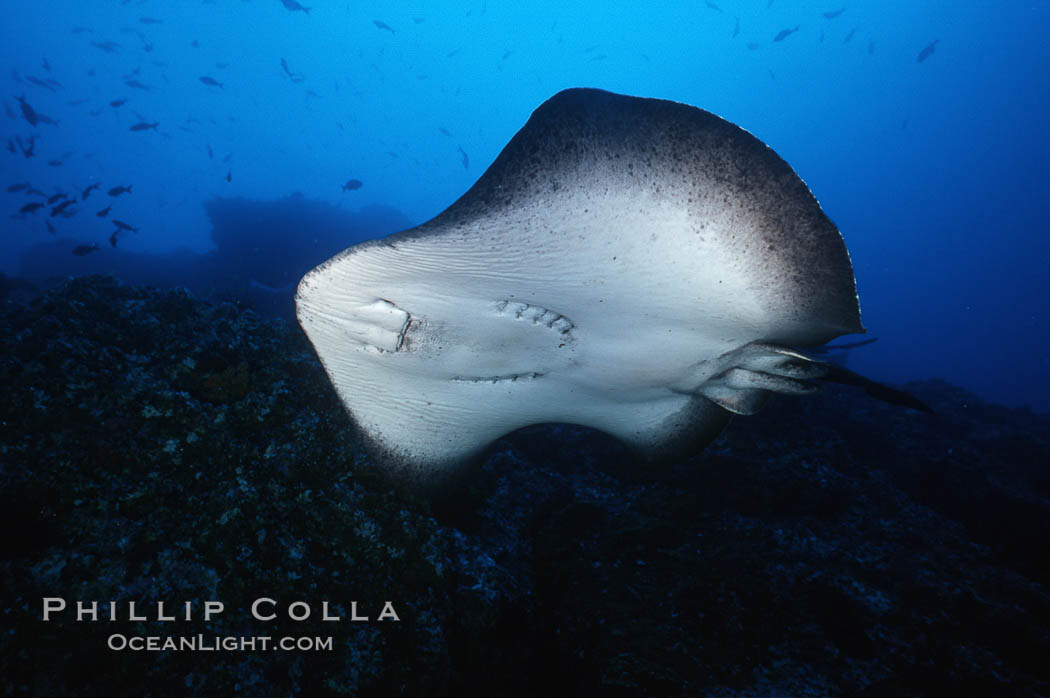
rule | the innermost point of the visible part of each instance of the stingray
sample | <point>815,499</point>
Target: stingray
<point>634,265</point>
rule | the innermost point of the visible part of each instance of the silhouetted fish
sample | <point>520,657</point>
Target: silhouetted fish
<point>207,80</point>
<point>81,250</point>
<point>117,191</point>
<point>121,225</point>
<point>107,46</point>
<point>751,45</point>
<point>143,126</point>
<point>57,197</point>
<point>150,20</point>
<point>31,207</point>
<point>927,52</point>
<point>293,6</point>
<point>29,148</point>
<point>137,85</point>
<point>50,228</point>
<point>61,208</point>
<point>54,163</point>
<point>834,13</point>
<point>785,33</point>
<point>353,184</point>
<point>229,176</point>
<point>736,28</point>
<point>850,35</point>
<point>113,238</point>
<point>294,77</point>
<point>88,190</point>
<point>32,116</point>
<point>466,160</point>
<point>116,103</point>
<point>18,187</point>
<point>380,24</point>
<point>713,6</point>
<point>39,83</point>
<point>104,212</point>
<point>211,155</point>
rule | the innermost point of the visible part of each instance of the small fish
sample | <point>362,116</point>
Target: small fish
<point>380,24</point>
<point>208,80</point>
<point>39,83</point>
<point>445,131</point>
<point>229,176</point>
<point>211,155</point>
<point>36,191</point>
<point>353,185</point>
<point>54,163</point>
<point>121,225</point>
<point>143,126</point>
<point>227,158</point>
<point>927,52</point>
<point>50,228</point>
<point>107,46</point>
<point>712,6</point>
<point>736,28</point>
<point>56,197</point>
<point>150,20</point>
<point>419,20</point>
<point>76,102</point>
<point>466,160</point>
<point>751,46</point>
<point>87,192</point>
<point>117,103</point>
<point>113,238</point>
<point>137,85</point>
<point>46,66</point>
<point>31,207</point>
<point>293,6</point>
<point>18,187</point>
<point>61,208</point>
<point>27,148</point>
<point>117,191</point>
<point>871,48</point>
<point>850,35</point>
<point>104,212</point>
<point>33,116</point>
<point>81,250</point>
<point>80,30</point>
<point>834,13</point>
<point>785,33</point>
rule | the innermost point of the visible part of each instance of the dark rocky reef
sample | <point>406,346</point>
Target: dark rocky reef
<point>154,446</point>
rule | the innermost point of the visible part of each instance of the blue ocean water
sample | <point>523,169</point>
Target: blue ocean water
<point>934,169</point>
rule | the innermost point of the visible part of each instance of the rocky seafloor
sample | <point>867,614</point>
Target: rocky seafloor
<point>157,447</point>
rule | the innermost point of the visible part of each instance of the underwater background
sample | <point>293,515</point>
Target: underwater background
<point>168,434</point>
<point>933,169</point>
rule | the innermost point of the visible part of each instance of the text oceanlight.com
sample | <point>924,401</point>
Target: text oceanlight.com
<point>214,643</point>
